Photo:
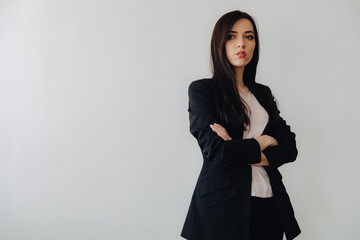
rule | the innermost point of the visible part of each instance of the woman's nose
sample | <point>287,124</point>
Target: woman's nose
<point>240,43</point>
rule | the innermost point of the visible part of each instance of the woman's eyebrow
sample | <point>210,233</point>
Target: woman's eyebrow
<point>237,32</point>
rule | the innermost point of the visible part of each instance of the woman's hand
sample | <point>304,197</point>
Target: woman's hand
<point>221,131</point>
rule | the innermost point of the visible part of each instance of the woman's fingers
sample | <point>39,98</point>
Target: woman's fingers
<point>218,127</point>
<point>220,131</point>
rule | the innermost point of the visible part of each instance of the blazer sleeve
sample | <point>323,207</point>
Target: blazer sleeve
<point>286,150</point>
<point>202,113</point>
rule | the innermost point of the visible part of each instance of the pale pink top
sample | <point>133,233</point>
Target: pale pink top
<point>260,184</point>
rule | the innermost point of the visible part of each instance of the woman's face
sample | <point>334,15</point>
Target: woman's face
<point>241,43</point>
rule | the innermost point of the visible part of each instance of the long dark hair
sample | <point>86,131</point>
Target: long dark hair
<point>231,108</point>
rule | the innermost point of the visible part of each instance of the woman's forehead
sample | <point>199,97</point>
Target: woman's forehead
<point>242,25</point>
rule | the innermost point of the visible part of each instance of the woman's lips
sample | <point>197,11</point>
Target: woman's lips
<point>241,54</point>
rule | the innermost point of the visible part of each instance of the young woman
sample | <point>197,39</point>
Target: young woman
<point>239,194</point>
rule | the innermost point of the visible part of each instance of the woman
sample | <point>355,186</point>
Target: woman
<point>239,193</point>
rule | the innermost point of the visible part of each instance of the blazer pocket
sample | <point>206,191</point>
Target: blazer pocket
<point>216,189</point>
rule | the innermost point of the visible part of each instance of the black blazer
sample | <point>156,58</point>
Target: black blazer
<point>219,208</point>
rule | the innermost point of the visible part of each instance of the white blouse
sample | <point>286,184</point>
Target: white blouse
<point>260,184</point>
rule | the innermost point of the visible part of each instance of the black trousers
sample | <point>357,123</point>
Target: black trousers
<point>264,220</point>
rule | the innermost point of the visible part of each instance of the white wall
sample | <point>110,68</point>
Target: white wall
<point>95,140</point>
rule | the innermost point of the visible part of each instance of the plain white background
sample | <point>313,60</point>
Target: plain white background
<point>95,140</point>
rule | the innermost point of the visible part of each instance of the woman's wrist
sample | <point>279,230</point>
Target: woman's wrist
<point>266,141</point>
<point>263,141</point>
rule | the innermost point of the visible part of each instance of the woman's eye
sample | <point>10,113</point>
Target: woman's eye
<point>250,37</point>
<point>230,36</point>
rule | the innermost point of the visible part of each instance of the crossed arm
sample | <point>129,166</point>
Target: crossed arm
<point>265,150</point>
<point>263,140</point>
